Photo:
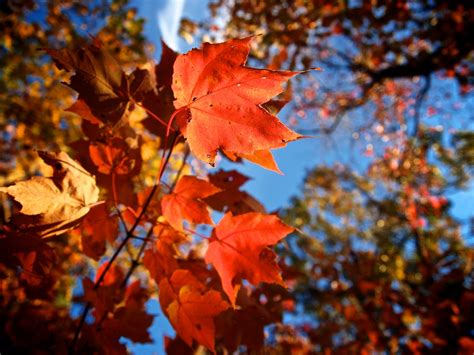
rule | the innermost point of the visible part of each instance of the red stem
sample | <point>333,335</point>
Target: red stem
<point>150,112</point>
<point>170,122</point>
<point>196,233</point>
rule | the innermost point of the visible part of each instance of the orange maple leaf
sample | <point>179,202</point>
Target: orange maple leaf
<point>115,157</point>
<point>160,257</point>
<point>239,250</point>
<point>185,203</point>
<point>222,99</point>
<point>190,308</point>
<point>264,158</point>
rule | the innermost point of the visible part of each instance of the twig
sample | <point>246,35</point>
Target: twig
<point>136,261</point>
<point>342,112</point>
<point>419,100</point>
<point>422,252</point>
<point>155,186</point>
<point>72,346</point>
<point>325,130</point>
<point>140,216</point>
<point>115,201</point>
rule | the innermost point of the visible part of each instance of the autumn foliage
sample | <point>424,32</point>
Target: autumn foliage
<point>199,272</point>
<point>114,198</point>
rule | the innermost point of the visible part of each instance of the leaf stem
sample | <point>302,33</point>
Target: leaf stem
<point>150,112</point>
<point>196,233</point>
<point>170,122</point>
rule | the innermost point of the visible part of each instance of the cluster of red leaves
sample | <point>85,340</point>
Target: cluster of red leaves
<point>209,100</point>
<point>439,312</point>
<point>419,203</point>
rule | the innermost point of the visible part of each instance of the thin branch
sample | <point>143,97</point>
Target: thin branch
<point>170,122</point>
<point>422,252</point>
<point>164,162</point>
<point>325,130</point>
<point>129,250</point>
<point>72,346</point>
<point>115,201</point>
<point>419,100</point>
<point>343,111</point>
<point>140,216</point>
<point>136,261</point>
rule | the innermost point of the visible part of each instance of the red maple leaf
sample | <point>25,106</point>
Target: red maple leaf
<point>98,227</point>
<point>222,99</point>
<point>231,198</point>
<point>239,250</point>
<point>115,157</point>
<point>131,320</point>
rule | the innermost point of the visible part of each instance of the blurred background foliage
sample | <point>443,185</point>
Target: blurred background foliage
<point>32,99</point>
<point>36,298</point>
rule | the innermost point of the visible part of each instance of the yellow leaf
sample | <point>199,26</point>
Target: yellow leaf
<point>56,204</point>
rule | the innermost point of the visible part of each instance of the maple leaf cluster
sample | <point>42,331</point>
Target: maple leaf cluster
<point>206,101</point>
